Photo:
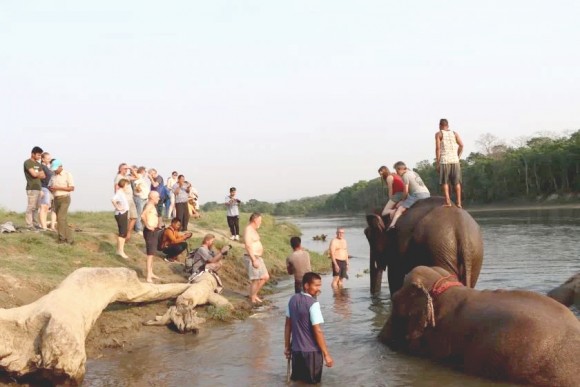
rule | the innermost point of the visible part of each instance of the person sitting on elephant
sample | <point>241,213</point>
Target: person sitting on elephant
<point>395,186</point>
<point>413,190</point>
<point>513,335</point>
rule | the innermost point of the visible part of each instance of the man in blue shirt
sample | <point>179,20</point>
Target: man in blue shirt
<point>303,319</point>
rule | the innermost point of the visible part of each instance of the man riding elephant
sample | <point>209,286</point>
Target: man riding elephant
<point>428,234</point>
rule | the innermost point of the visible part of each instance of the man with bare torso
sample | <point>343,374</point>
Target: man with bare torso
<point>257,271</point>
<point>338,251</point>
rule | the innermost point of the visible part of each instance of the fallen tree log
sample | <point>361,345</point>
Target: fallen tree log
<point>569,292</point>
<point>183,314</point>
<point>45,340</point>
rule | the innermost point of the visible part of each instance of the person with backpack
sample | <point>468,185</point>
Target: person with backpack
<point>206,258</point>
<point>173,242</point>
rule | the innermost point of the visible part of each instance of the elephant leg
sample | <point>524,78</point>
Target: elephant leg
<point>395,279</point>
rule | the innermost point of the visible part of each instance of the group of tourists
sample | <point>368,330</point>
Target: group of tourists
<point>133,186</point>
<point>48,190</point>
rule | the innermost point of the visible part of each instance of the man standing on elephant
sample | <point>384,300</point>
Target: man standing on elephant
<point>448,149</point>
<point>338,251</point>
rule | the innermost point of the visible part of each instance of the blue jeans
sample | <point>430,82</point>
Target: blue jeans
<point>139,203</point>
<point>167,205</point>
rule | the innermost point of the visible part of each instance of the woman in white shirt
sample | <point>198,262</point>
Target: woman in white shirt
<point>171,180</point>
<point>121,216</point>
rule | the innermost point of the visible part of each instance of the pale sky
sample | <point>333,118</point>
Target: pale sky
<point>282,99</point>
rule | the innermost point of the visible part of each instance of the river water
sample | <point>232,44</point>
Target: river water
<point>535,250</point>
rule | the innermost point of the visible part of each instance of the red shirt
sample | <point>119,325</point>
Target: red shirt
<point>398,184</point>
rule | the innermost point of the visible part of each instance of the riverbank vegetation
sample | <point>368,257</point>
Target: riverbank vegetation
<point>538,170</point>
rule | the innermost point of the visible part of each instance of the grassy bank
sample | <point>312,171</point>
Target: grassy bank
<point>32,263</point>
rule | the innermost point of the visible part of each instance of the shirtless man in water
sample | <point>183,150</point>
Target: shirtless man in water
<point>257,271</point>
<point>338,251</point>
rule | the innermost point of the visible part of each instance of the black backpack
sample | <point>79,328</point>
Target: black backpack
<point>159,235</point>
<point>192,264</point>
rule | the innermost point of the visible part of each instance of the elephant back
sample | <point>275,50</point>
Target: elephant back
<point>434,235</point>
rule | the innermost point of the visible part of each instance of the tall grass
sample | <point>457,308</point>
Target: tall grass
<point>36,256</point>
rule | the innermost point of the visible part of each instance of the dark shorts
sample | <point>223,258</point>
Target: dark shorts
<point>123,223</point>
<point>341,269</point>
<point>150,241</point>
<point>450,174</point>
<point>307,366</point>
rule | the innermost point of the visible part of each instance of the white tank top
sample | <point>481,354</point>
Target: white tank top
<point>449,148</point>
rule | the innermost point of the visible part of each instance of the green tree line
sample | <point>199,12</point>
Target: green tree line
<point>538,168</point>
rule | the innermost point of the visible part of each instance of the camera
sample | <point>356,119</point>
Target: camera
<point>226,252</point>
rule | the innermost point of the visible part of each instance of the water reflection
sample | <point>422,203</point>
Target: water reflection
<point>342,303</point>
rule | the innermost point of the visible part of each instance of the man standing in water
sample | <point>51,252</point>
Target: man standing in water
<point>298,263</point>
<point>448,149</point>
<point>303,319</point>
<point>338,251</point>
<point>257,271</point>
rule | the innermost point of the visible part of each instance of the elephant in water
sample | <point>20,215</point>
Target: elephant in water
<point>427,234</point>
<point>569,292</point>
<point>517,336</point>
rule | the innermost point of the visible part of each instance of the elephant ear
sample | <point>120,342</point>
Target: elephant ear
<point>421,313</point>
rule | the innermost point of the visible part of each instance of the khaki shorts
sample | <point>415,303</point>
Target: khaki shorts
<point>253,273</point>
<point>450,174</point>
<point>132,209</point>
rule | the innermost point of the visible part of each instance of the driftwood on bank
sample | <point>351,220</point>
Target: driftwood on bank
<point>569,292</point>
<point>183,314</point>
<point>46,339</point>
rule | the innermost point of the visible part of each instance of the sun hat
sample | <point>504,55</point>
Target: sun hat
<point>56,163</point>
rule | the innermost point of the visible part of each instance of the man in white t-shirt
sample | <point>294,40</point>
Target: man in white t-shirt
<point>414,190</point>
<point>233,214</point>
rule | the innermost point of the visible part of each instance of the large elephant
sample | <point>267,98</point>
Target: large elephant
<point>427,234</point>
<point>517,336</point>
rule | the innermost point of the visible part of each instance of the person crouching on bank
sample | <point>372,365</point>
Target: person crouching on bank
<point>174,242</point>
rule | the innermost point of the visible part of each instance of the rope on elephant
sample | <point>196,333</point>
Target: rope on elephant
<point>430,311</point>
<point>439,287</point>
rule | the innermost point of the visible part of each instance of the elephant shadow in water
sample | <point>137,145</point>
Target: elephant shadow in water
<point>427,234</point>
<point>516,336</point>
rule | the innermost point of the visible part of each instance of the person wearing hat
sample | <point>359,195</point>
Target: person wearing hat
<point>61,185</point>
<point>233,214</point>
